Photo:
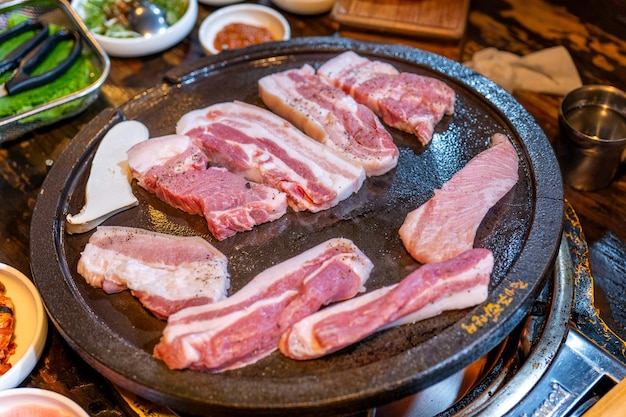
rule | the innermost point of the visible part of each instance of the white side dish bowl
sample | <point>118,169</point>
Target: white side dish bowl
<point>305,6</point>
<point>27,400</point>
<point>30,326</point>
<point>250,14</point>
<point>142,46</point>
<point>219,2</point>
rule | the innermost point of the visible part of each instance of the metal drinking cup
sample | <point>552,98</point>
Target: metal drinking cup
<point>592,143</point>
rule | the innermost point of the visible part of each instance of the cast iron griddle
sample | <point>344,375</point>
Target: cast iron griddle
<point>115,334</point>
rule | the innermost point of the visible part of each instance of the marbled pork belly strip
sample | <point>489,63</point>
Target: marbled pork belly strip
<point>457,283</point>
<point>330,116</point>
<point>410,102</point>
<point>265,148</point>
<point>166,273</point>
<point>247,326</point>
<point>446,225</point>
<point>175,170</point>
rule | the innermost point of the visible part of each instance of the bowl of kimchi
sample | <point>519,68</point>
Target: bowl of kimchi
<point>27,322</point>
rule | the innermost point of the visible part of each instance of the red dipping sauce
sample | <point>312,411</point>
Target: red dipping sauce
<point>238,35</point>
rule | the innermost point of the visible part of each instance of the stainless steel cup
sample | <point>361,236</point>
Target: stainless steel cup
<point>592,140</point>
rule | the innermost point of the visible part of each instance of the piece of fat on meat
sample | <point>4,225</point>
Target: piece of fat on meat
<point>177,172</point>
<point>446,224</point>
<point>330,116</point>
<point>409,102</point>
<point>348,70</point>
<point>265,148</point>
<point>165,272</point>
<point>247,326</point>
<point>457,283</point>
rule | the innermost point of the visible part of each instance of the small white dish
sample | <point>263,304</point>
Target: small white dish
<point>30,326</point>
<point>305,7</point>
<point>249,14</point>
<point>32,401</point>
<point>142,46</point>
<point>219,2</point>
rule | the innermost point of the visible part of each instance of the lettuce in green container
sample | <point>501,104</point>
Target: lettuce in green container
<point>80,75</point>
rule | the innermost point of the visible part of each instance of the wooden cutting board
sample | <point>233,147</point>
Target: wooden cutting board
<point>429,18</point>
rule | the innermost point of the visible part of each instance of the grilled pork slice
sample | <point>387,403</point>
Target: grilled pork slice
<point>446,225</point>
<point>166,273</point>
<point>410,102</point>
<point>458,283</point>
<point>247,326</point>
<point>265,148</point>
<point>175,170</point>
<point>331,117</point>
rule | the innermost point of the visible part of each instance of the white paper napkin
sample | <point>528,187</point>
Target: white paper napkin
<point>550,70</point>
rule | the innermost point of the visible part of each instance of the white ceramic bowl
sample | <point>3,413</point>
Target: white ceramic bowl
<point>219,2</point>
<point>250,14</point>
<point>26,399</point>
<point>135,47</point>
<point>305,6</point>
<point>30,326</point>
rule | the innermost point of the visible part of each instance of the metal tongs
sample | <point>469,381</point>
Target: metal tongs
<point>27,57</point>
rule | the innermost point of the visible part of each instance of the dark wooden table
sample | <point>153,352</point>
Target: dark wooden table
<point>595,35</point>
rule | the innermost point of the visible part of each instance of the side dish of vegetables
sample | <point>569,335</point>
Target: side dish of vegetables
<point>109,17</point>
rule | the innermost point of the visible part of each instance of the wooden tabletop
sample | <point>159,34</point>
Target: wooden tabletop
<point>595,36</point>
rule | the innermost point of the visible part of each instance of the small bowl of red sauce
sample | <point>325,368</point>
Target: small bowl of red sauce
<point>242,25</point>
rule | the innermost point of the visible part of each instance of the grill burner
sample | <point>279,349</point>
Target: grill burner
<point>559,362</point>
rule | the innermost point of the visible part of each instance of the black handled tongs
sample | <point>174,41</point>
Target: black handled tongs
<point>25,59</point>
<point>13,59</point>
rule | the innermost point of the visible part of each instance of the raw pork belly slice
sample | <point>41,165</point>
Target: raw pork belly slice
<point>409,102</point>
<point>331,117</point>
<point>446,225</point>
<point>174,169</point>
<point>166,273</point>
<point>265,148</point>
<point>457,283</point>
<point>247,326</point>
